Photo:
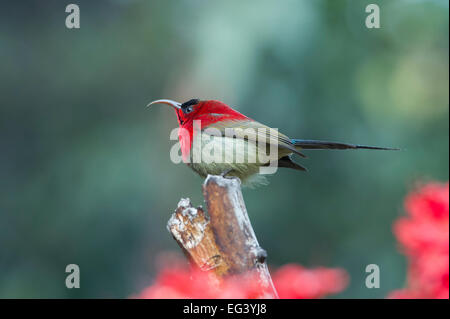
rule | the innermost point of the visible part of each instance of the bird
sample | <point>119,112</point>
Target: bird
<point>217,126</point>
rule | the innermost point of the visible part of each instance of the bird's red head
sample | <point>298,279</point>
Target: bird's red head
<point>204,113</point>
<point>208,112</point>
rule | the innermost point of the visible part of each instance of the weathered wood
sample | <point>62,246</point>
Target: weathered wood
<point>191,229</point>
<point>222,240</point>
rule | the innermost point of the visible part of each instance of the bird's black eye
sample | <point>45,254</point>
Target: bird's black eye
<point>188,106</point>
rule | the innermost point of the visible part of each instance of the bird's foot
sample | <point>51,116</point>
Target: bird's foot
<point>226,172</point>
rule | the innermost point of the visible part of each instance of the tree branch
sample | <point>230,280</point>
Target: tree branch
<point>222,240</point>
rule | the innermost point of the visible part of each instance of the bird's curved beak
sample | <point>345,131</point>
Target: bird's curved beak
<point>174,104</point>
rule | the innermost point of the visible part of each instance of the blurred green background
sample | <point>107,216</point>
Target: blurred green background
<point>85,171</point>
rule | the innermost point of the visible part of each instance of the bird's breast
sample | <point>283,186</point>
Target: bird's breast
<point>221,149</point>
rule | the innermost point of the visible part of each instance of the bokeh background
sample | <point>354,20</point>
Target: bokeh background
<point>85,171</point>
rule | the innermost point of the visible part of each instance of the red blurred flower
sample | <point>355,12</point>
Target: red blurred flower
<point>296,282</point>
<point>291,281</point>
<point>424,238</point>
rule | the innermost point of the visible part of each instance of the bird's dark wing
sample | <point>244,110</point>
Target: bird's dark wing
<point>254,131</point>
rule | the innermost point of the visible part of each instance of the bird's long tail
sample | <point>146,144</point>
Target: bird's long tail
<point>320,145</point>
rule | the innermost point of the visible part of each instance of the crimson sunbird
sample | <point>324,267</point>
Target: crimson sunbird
<point>231,129</point>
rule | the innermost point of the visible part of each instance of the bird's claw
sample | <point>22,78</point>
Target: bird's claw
<point>226,172</point>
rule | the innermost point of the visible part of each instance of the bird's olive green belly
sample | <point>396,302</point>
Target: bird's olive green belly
<point>221,154</point>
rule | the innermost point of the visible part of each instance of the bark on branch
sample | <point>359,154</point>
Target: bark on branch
<point>223,239</point>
